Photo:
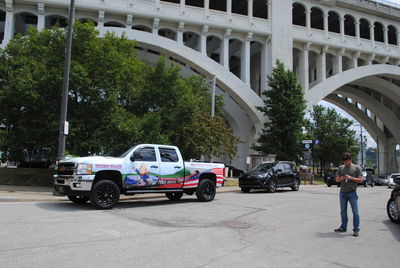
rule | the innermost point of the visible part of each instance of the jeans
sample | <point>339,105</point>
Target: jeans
<point>352,198</point>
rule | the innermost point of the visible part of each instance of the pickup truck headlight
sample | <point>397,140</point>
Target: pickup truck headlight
<point>84,169</point>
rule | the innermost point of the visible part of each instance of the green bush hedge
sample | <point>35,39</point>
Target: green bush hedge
<point>26,176</point>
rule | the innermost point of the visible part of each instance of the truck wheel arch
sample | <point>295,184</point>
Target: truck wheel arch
<point>112,175</point>
<point>211,176</point>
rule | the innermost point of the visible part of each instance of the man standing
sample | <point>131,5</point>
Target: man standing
<point>349,175</point>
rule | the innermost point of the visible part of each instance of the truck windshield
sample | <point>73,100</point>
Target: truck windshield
<point>263,167</point>
<point>119,152</point>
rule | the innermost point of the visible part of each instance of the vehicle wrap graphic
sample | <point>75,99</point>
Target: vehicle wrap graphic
<point>184,178</point>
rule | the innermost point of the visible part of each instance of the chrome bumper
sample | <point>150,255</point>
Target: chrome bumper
<point>80,183</point>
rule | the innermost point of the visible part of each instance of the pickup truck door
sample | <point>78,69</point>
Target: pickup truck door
<point>171,168</point>
<point>144,168</point>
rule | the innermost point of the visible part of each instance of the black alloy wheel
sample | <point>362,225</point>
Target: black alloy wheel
<point>392,211</point>
<point>78,199</point>
<point>174,196</point>
<point>206,190</point>
<point>271,188</point>
<point>296,185</point>
<point>104,195</point>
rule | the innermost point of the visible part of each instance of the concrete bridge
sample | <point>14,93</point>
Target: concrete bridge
<point>346,52</point>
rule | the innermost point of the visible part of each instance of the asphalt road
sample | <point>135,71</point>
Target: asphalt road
<point>285,229</point>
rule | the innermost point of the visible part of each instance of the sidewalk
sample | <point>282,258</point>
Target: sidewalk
<point>10,193</point>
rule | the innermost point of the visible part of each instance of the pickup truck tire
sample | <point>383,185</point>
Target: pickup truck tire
<point>78,199</point>
<point>245,190</point>
<point>174,196</point>
<point>206,190</point>
<point>104,195</point>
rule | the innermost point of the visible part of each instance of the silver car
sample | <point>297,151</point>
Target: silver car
<point>391,183</point>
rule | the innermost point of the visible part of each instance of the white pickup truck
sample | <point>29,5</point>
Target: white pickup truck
<point>144,168</point>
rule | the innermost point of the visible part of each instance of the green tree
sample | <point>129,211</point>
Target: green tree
<point>284,109</point>
<point>115,100</point>
<point>334,133</point>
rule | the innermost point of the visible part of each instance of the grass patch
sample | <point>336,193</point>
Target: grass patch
<point>26,176</point>
<point>231,182</point>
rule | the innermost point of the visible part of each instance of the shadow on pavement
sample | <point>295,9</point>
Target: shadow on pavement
<point>394,228</point>
<point>123,204</point>
<point>264,191</point>
<point>333,235</point>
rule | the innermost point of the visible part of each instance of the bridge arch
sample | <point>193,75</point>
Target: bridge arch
<point>323,89</point>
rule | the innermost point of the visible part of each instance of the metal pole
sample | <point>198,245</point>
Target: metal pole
<point>377,154</point>
<point>64,101</point>
<point>362,146</point>
<point>214,81</point>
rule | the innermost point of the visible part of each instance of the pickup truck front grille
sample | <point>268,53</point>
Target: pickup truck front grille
<point>65,169</point>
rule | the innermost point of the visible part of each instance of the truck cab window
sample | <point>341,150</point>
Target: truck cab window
<point>168,155</point>
<point>147,154</point>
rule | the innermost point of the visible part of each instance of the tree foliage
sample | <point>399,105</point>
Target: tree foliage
<point>115,100</point>
<point>334,133</point>
<point>284,109</point>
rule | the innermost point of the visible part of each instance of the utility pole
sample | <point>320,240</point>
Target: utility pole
<point>64,101</point>
<point>214,81</point>
<point>362,146</point>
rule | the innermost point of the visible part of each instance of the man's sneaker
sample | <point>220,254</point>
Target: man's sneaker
<point>340,230</point>
<point>355,234</point>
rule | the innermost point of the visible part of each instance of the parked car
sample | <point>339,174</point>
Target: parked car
<point>270,176</point>
<point>391,183</point>
<point>381,180</point>
<point>393,204</point>
<point>369,179</point>
<point>330,178</point>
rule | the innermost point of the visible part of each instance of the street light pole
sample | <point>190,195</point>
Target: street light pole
<point>64,101</point>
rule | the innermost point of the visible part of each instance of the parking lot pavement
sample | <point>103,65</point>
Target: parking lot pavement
<point>284,229</point>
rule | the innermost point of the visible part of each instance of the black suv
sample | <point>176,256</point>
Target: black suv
<point>393,204</point>
<point>270,176</point>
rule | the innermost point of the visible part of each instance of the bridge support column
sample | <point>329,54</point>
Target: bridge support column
<point>321,65</point>
<point>372,31</point>
<point>358,32</point>
<point>341,19</point>
<point>308,21</point>
<point>265,70</point>
<point>9,24</point>
<point>282,35</point>
<point>203,40</point>
<point>250,11</point>
<point>100,19</point>
<point>179,37</point>
<point>245,68</point>
<point>225,49</point>
<point>387,155</point>
<point>303,70</point>
<point>41,17</point>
